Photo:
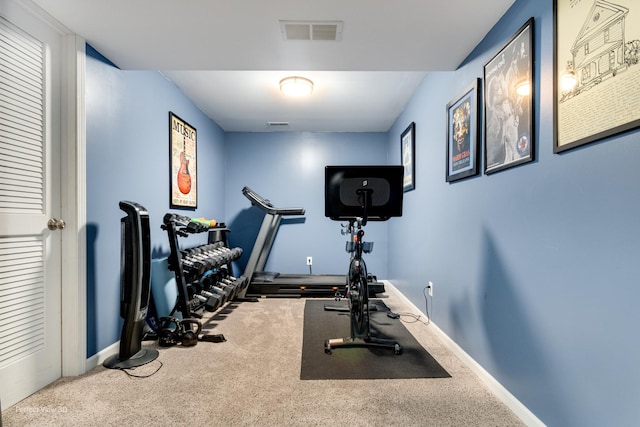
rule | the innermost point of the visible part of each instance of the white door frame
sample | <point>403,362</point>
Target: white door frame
<point>73,197</point>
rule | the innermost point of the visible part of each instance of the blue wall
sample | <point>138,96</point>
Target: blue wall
<point>288,169</point>
<point>128,159</point>
<point>534,268</point>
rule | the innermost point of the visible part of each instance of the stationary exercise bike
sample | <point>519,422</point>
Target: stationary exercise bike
<point>373,191</point>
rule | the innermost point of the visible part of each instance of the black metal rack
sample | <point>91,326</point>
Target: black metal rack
<point>204,273</point>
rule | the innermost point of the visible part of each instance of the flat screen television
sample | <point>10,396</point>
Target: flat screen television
<point>349,188</point>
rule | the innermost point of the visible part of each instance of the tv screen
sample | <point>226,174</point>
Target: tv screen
<point>347,187</point>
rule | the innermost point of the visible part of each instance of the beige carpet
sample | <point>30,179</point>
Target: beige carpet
<point>253,379</point>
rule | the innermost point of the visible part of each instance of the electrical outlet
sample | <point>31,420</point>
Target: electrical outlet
<point>430,287</point>
<point>309,260</point>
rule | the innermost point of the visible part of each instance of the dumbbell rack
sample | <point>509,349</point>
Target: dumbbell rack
<point>203,274</point>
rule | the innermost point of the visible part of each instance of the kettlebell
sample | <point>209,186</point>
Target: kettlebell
<point>169,331</point>
<point>189,336</point>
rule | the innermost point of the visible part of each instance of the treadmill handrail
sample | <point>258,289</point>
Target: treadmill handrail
<point>265,205</point>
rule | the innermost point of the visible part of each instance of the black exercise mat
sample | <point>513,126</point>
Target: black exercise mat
<point>361,363</point>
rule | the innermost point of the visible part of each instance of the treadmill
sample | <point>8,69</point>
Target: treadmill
<point>264,283</point>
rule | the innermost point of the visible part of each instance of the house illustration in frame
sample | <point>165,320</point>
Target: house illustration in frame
<point>599,49</point>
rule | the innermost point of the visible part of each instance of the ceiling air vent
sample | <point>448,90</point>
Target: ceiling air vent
<point>278,124</point>
<point>311,30</point>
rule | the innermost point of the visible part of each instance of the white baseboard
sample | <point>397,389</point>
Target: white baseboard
<point>98,358</point>
<point>496,388</point>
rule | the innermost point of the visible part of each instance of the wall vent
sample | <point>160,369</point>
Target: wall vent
<point>311,30</point>
<point>277,124</point>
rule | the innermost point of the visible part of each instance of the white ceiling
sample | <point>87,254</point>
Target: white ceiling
<point>229,56</point>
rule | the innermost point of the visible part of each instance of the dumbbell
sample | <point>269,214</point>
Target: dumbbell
<point>193,269</point>
<point>176,219</point>
<point>198,250</point>
<point>244,282</point>
<point>203,262</point>
<point>217,280</point>
<point>240,282</point>
<point>218,297</point>
<point>229,254</point>
<point>221,254</point>
<point>192,251</point>
<point>235,283</point>
<point>206,247</point>
<point>235,253</point>
<point>190,225</point>
<point>229,278</point>
<point>210,257</point>
<point>232,283</point>
<point>197,290</point>
<point>218,248</point>
<point>196,227</point>
<point>224,273</point>
<point>214,301</point>
<point>201,297</point>
<point>209,282</point>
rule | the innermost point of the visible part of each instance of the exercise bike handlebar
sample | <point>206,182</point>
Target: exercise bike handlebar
<point>265,205</point>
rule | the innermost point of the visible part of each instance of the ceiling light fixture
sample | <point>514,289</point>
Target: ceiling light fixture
<point>296,86</point>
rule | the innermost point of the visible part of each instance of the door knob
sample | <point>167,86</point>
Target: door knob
<point>56,224</point>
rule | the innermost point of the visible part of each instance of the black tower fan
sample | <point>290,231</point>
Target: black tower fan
<point>135,285</point>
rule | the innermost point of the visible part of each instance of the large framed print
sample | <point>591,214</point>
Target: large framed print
<point>463,136</point>
<point>183,163</point>
<point>407,153</point>
<point>508,103</point>
<point>596,70</point>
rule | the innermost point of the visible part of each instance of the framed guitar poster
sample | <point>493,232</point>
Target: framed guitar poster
<point>182,163</point>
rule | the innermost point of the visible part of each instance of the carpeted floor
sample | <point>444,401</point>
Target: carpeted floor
<point>361,362</point>
<point>253,379</point>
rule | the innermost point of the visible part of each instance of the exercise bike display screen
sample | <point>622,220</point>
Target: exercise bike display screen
<point>348,187</point>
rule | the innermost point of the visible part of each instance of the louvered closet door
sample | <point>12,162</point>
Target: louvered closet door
<point>30,318</point>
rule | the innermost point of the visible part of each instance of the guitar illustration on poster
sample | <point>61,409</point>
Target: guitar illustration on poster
<point>184,177</point>
<point>183,165</point>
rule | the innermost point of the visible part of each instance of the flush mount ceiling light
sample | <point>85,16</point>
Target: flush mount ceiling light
<point>296,86</point>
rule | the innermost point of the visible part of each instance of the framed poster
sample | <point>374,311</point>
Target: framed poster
<point>182,163</point>
<point>596,70</point>
<point>463,135</point>
<point>508,103</point>
<point>407,147</point>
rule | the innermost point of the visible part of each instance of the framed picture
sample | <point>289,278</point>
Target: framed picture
<point>182,163</point>
<point>463,135</point>
<point>408,147</point>
<point>596,70</point>
<point>508,103</point>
